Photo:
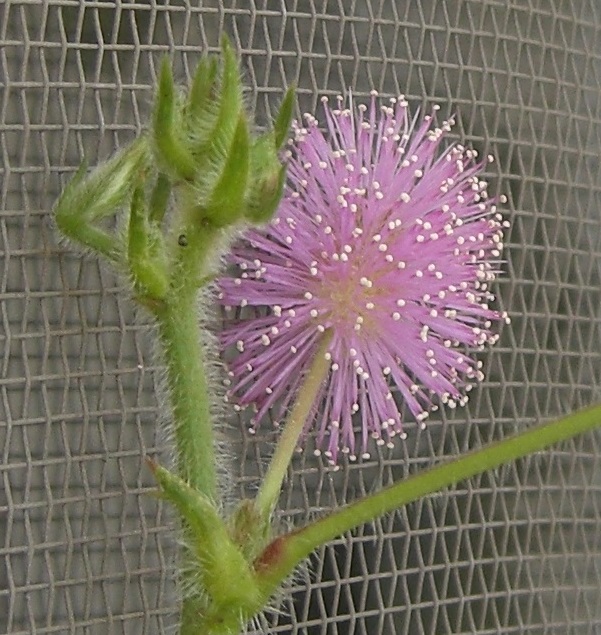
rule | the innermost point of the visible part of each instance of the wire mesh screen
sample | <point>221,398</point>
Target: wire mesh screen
<point>83,548</point>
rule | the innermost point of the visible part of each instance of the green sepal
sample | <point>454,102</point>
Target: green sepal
<point>226,202</point>
<point>106,188</point>
<point>71,191</point>
<point>268,175</point>
<point>73,221</point>
<point>67,211</point>
<point>267,196</point>
<point>92,237</point>
<point>159,199</point>
<point>144,251</point>
<point>230,99</point>
<point>102,193</point>
<point>227,578</point>
<point>281,125</point>
<point>202,92</point>
<point>173,155</point>
<point>110,185</point>
<point>263,156</point>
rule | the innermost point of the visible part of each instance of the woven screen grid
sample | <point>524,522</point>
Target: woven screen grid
<point>83,548</point>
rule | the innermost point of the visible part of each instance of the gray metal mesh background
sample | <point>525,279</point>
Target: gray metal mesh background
<point>83,549</point>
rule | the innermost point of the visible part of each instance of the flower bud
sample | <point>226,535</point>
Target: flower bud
<point>201,96</point>
<point>100,194</point>
<point>171,149</point>
<point>225,203</point>
<point>145,252</point>
<point>281,125</point>
<point>267,183</point>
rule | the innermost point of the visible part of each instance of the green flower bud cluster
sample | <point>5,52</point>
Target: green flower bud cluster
<point>199,153</point>
<point>202,140</point>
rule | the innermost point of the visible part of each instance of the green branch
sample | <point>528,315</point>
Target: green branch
<point>281,557</point>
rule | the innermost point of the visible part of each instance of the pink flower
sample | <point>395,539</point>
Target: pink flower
<point>385,243</point>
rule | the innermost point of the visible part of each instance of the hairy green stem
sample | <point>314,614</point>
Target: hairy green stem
<point>189,393</point>
<point>269,491</point>
<point>185,358</point>
<point>285,552</point>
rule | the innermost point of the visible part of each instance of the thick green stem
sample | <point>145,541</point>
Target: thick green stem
<point>185,359</point>
<point>189,393</point>
<point>269,491</point>
<point>189,387</point>
<point>285,552</point>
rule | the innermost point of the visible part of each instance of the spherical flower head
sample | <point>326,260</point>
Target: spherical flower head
<point>384,243</point>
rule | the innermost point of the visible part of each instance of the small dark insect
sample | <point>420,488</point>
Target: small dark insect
<point>182,241</point>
